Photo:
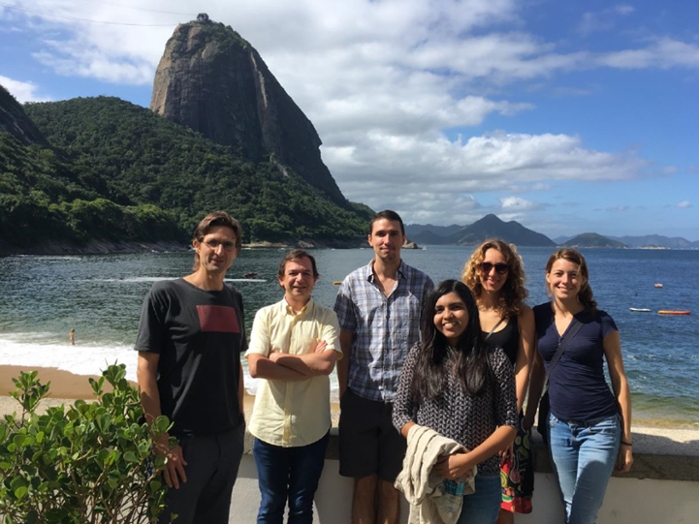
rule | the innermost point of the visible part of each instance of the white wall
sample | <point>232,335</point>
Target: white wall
<point>628,500</point>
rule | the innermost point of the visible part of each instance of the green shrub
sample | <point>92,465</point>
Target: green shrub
<point>86,463</point>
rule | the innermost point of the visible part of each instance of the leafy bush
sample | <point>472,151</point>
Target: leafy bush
<point>85,463</point>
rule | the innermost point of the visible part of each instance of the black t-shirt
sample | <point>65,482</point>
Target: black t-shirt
<point>199,336</point>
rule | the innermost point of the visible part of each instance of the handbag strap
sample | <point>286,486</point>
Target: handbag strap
<point>494,328</point>
<point>574,327</point>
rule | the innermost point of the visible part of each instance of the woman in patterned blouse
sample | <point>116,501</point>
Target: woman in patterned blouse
<point>453,384</point>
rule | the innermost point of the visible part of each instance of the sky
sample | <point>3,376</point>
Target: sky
<point>567,117</point>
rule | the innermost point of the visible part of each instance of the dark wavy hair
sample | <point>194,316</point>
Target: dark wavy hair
<point>513,293</point>
<point>472,365</point>
<point>585,294</point>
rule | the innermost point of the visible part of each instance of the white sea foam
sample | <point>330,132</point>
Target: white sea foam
<point>80,360</point>
<point>159,279</point>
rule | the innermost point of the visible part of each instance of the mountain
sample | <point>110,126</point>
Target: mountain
<point>657,240</point>
<point>490,226</point>
<point>14,121</point>
<point>130,156</point>
<point>562,239</point>
<point>429,234</point>
<point>213,81</point>
<point>593,240</point>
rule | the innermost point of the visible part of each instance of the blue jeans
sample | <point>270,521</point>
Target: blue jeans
<point>583,456</point>
<point>482,506</point>
<point>288,474</point>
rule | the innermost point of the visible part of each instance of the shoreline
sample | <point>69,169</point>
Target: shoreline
<point>67,387</point>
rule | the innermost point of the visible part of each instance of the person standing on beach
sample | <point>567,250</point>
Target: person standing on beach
<point>190,338</point>
<point>379,308</point>
<point>293,348</point>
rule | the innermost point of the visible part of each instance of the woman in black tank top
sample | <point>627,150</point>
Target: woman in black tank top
<point>495,275</point>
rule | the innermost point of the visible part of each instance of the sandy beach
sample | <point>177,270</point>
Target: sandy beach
<point>66,387</point>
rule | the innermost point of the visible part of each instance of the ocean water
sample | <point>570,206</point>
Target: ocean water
<point>42,298</point>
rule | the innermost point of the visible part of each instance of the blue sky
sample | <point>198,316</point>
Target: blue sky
<point>565,116</point>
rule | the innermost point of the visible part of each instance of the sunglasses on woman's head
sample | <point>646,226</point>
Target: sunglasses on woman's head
<point>500,268</point>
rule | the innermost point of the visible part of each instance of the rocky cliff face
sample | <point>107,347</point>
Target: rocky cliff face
<point>213,81</point>
<point>15,121</point>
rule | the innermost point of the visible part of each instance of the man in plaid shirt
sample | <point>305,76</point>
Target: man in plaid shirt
<point>379,308</point>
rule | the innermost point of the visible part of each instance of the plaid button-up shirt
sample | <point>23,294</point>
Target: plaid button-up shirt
<point>385,328</point>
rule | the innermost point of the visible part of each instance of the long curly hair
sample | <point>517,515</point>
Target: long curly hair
<point>585,294</point>
<point>471,354</point>
<point>513,293</point>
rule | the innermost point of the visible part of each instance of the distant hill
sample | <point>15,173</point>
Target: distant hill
<point>490,226</point>
<point>593,240</point>
<point>657,240</point>
<point>429,234</point>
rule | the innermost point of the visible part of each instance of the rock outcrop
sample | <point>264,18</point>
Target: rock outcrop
<point>15,121</point>
<point>213,81</point>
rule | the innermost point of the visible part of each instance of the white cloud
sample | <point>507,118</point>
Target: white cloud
<point>670,170</point>
<point>381,168</point>
<point>512,204</point>
<point>22,91</point>
<point>604,20</point>
<point>684,204</point>
<point>662,53</point>
<point>624,9</point>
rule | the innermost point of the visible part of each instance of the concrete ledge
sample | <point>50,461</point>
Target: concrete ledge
<point>660,454</point>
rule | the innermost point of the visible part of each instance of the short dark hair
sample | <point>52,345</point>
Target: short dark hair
<point>386,214</point>
<point>212,220</point>
<point>296,253</point>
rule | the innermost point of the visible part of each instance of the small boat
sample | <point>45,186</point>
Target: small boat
<point>658,285</point>
<point>337,282</point>
<point>673,312</point>
<point>640,309</point>
<point>252,274</point>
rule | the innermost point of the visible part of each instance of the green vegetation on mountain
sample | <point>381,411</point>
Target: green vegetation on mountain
<point>13,120</point>
<point>120,172</point>
<point>43,197</point>
<point>593,240</point>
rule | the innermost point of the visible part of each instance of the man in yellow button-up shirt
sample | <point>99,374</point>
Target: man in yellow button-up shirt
<point>293,347</point>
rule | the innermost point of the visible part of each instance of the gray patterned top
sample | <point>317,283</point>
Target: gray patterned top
<point>456,415</point>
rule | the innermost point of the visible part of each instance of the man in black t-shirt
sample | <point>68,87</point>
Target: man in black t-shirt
<point>190,338</point>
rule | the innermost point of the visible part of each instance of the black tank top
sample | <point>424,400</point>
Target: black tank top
<point>507,339</point>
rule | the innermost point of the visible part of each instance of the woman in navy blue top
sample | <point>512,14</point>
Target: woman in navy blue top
<point>589,425</point>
